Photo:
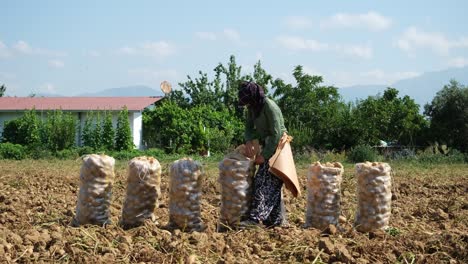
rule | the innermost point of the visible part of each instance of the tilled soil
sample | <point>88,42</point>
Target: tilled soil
<point>429,222</point>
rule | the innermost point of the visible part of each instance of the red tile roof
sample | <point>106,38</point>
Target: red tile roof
<point>76,103</point>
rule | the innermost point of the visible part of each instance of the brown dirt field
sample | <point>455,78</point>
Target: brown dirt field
<point>38,198</point>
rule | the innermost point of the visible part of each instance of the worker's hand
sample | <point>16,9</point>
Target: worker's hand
<point>249,149</point>
<point>259,159</point>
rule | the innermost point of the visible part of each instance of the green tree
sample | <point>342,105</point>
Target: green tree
<point>59,130</point>
<point>390,118</point>
<point>123,135</point>
<point>309,107</point>
<point>448,113</point>
<point>87,134</point>
<point>168,126</point>
<point>2,90</point>
<point>97,131</point>
<point>108,132</point>
<point>261,77</point>
<point>232,76</point>
<point>203,92</point>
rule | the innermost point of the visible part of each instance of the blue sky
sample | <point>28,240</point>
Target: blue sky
<point>77,47</point>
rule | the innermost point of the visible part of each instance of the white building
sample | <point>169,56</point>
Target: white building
<point>14,107</point>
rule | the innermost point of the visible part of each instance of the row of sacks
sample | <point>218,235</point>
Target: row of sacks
<point>236,173</point>
<point>374,195</point>
<point>142,193</point>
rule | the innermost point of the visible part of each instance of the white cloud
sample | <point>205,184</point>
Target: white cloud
<point>231,34</point>
<point>155,77</point>
<point>356,50</point>
<point>458,62</point>
<point>371,77</point>
<point>298,22</point>
<point>7,76</point>
<point>258,56</point>
<point>47,88</point>
<point>4,51</point>
<point>414,39</point>
<point>56,64</point>
<point>205,35</point>
<point>158,49</point>
<point>23,47</point>
<point>93,53</point>
<point>300,44</point>
<point>311,71</point>
<point>370,20</point>
<point>127,50</point>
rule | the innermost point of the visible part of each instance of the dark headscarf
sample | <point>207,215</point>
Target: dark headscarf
<point>251,94</point>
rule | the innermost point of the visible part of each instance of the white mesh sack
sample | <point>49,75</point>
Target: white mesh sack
<point>236,173</point>
<point>374,196</point>
<point>143,191</point>
<point>186,176</point>
<point>323,197</point>
<point>94,197</point>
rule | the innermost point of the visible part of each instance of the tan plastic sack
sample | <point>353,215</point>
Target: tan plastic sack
<point>236,172</point>
<point>374,196</point>
<point>96,179</point>
<point>323,199</point>
<point>185,191</point>
<point>282,165</point>
<point>143,191</point>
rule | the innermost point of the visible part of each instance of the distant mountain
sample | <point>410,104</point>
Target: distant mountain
<point>352,93</point>
<point>422,88</point>
<point>47,95</point>
<point>137,90</point>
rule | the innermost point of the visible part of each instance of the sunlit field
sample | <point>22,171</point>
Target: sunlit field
<point>429,222</point>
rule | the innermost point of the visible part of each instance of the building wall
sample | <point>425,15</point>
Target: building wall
<point>136,125</point>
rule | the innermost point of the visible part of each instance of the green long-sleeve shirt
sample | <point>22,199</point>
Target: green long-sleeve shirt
<point>268,127</point>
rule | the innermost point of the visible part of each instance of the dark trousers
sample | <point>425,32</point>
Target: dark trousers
<point>267,202</point>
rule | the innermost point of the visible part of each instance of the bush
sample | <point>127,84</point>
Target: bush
<point>37,152</point>
<point>12,151</point>
<point>67,154</point>
<point>85,150</point>
<point>362,153</point>
<point>126,155</point>
<point>155,152</point>
<point>453,156</point>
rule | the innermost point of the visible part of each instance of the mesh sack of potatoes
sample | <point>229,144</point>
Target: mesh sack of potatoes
<point>94,197</point>
<point>374,196</point>
<point>185,192</point>
<point>236,172</point>
<point>323,197</point>
<point>143,191</point>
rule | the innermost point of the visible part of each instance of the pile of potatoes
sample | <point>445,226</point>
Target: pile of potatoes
<point>236,173</point>
<point>323,198</point>
<point>143,191</point>
<point>96,179</point>
<point>374,196</point>
<point>186,176</point>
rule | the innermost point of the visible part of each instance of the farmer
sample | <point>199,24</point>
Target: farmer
<point>265,123</point>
